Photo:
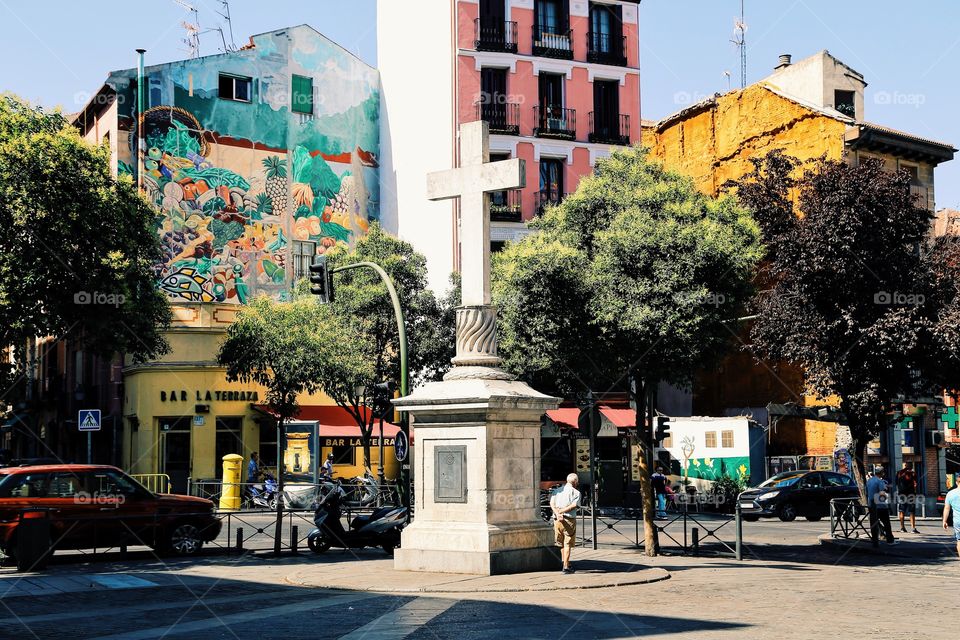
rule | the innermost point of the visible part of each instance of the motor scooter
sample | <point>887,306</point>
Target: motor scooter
<point>379,529</point>
<point>265,496</point>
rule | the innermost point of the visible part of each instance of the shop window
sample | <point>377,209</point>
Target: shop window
<point>344,454</point>
<point>726,439</point>
<point>268,444</point>
<point>710,439</point>
<point>229,439</point>
<point>235,88</point>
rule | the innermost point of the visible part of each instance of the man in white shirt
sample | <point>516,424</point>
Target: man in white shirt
<point>564,505</point>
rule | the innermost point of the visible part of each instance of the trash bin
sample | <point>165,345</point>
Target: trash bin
<point>34,543</point>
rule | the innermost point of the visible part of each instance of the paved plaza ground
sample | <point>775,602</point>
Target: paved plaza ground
<point>788,586</point>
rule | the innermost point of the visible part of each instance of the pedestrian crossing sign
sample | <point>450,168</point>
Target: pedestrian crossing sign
<point>89,420</point>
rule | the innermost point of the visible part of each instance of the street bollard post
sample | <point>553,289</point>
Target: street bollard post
<point>695,540</point>
<point>739,525</point>
<point>294,538</point>
<point>239,545</point>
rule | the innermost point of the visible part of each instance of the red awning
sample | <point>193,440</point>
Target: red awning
<point>567,416</point>
<point>335,421</point>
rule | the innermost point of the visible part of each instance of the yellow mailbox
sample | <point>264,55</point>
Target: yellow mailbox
<point>230,493</point>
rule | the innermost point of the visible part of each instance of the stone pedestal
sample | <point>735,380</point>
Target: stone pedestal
<point>477,475</point>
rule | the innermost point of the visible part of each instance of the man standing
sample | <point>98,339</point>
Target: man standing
<point>564,505</point>
<point>659,483</point>
<point>327,469</point>
<point>878,502</point>
<point>907,496</point>
<point>951,507</point>
<point>253,468</point>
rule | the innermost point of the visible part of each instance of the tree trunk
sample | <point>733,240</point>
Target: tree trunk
<point>640,394</point>
<point>858,461</point>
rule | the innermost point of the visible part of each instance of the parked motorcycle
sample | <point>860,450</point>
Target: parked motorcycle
<point>265,496</point>
<point>379,529</point>
<point>361,491</point>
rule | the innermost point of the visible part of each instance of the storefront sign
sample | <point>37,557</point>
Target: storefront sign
<point>583,454</point>
<point>353,442</point>
<point>199,421</point>
<point>209,396</point>
<point>636,451</point>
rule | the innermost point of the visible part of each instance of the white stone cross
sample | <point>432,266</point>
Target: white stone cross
<point>472,182</point>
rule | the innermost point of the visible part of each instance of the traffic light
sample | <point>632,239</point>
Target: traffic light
<point>382,394</point>
<point>321,279</point>
<point>662,428</point>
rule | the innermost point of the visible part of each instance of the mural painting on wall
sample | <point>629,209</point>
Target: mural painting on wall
<point>219,232</point>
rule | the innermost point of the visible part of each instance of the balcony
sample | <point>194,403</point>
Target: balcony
<point>503,117</point>
<point>604,48</point>
<point>505,206</point>
<point>547,198</point>
<point>550,44</point>
<point>610,130</point>
<point>495,35</point>
<point>555,122</point>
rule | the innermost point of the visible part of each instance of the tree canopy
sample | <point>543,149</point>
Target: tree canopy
<point>76,245</point>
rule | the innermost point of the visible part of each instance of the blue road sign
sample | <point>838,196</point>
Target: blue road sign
<point>89,420</point>
<point>401,446</point>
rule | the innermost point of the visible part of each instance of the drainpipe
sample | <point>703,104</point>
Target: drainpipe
<point>141,137</point>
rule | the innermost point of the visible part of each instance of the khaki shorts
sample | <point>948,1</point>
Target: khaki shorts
<point>566,532</point>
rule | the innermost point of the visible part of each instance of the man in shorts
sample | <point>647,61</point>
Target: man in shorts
<point>907,497</point>
<point>951,507</point>
<point>564,505</point>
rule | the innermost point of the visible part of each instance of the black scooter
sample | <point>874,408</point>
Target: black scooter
<point>379,529</point>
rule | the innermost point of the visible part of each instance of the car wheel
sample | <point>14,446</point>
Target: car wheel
<point>750,518</point>
<point>185,539</point>
<point>814,518</point>
<point>788,512</point>
<point>318,544</point>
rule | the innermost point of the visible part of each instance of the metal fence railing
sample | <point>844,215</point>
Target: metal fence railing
<point>155,482</point>
<point>848,518</point>
<point>301,495</point>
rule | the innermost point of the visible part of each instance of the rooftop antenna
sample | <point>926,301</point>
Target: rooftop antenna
<point>740,39</point>
<point>727,74</point>
<point>226,16</point>
<point>192,28</point>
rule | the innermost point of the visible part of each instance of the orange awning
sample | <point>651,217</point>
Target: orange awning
<point>335,421</point>
<point>618,417</point>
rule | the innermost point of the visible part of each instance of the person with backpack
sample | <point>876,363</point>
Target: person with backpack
<point>878,504</point>
<point>659,483</point>
<point>907,497</point>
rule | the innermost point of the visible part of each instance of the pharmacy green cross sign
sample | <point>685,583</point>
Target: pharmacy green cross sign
<point>950,418</point>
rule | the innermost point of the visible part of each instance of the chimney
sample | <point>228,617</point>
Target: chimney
<point>784,62</point>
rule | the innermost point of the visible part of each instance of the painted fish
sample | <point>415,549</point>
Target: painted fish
<point>187,284</point>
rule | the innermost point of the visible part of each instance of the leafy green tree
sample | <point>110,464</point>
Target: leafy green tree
<point>76,245</point>
<point>361,301</point>
<point>627,282</point>
<point>852,300</point>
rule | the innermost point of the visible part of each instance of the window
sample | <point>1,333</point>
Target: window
<point>111,483</point>
<point>551,17</point>
<point>913,171</point>
<point>64,485</point>
<point>551,90</point>
<point>812,481</point>
<point>837,480</point>
<point>710,439</point>
<point>551,180</point>
<point>229,439</point>
<point>844,102</point>
<point>344,454</point>
<point>726,438</point>
<point>302,94</point>
<point>24,485</point>
<point>497,245</point>
<point>235,87</point>
<point>303,253</point>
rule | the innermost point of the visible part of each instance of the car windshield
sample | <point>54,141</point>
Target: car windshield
<point>784,479</point>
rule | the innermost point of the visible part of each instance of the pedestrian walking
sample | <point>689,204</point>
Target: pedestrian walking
<point>878,503</point>
<point>564,505</point>
<point>659,483</point>
<point>951,507</point>
<point>907,497</point>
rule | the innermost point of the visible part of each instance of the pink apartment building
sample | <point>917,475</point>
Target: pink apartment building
<point>557,80</point>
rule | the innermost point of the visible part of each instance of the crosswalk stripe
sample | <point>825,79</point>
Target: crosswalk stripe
<point>401,622</point>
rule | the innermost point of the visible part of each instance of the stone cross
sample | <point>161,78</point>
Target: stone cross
<point>472,182</point>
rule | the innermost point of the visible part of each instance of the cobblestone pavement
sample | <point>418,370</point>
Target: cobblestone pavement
<point>790,587</point>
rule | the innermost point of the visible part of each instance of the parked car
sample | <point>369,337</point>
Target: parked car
<point>796,493</point>
<point>93,506</point>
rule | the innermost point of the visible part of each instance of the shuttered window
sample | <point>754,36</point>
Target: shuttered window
<point>302,100</point>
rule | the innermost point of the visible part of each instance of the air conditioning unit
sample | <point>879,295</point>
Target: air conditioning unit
<point>936,439</point>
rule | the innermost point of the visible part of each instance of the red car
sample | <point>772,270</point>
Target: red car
<point>94,506</point>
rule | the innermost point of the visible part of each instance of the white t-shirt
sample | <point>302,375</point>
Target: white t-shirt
<point>567,496</point>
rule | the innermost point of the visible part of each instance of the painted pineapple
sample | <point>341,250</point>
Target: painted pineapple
<point>276,184</point>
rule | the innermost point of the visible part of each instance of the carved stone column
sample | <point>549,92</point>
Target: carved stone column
<point>476,356</point>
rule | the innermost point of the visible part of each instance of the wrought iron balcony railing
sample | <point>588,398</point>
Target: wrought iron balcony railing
<point>552,43</point>
<point>505,206</point>
<point>547,197</point>
<point>610,129</point>
<point>555,122</point>
<point>503,117</point>
<point>604,48</point>
<point>495,35</point>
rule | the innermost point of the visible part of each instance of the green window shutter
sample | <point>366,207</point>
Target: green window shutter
<point>302,98</point>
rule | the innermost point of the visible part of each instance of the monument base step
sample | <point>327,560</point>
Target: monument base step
<point>481,563</point>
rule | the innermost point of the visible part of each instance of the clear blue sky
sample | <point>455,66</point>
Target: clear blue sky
<point>909,52</point>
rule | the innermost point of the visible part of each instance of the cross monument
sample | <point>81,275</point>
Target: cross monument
<point>476,464</point>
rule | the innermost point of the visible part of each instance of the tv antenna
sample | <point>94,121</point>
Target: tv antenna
<point>727,75</point>
<point>740,39</point>
<point>192,28</point>
<point>226,16</point>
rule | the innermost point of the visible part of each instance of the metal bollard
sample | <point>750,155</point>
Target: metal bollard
<point>239,545</point>
<point>738,545</point>
<point>695,535</point>
<point>294,538</point>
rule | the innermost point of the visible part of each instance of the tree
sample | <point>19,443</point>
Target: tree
<point>76,245</point>
<point>852,300</point>
<point>628,282</point>
<point>361,300</point>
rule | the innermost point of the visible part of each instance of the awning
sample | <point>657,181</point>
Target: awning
<point>620,418</point>
<point>334,421</point>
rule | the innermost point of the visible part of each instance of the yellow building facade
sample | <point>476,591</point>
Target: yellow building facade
<point>181,415</point>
